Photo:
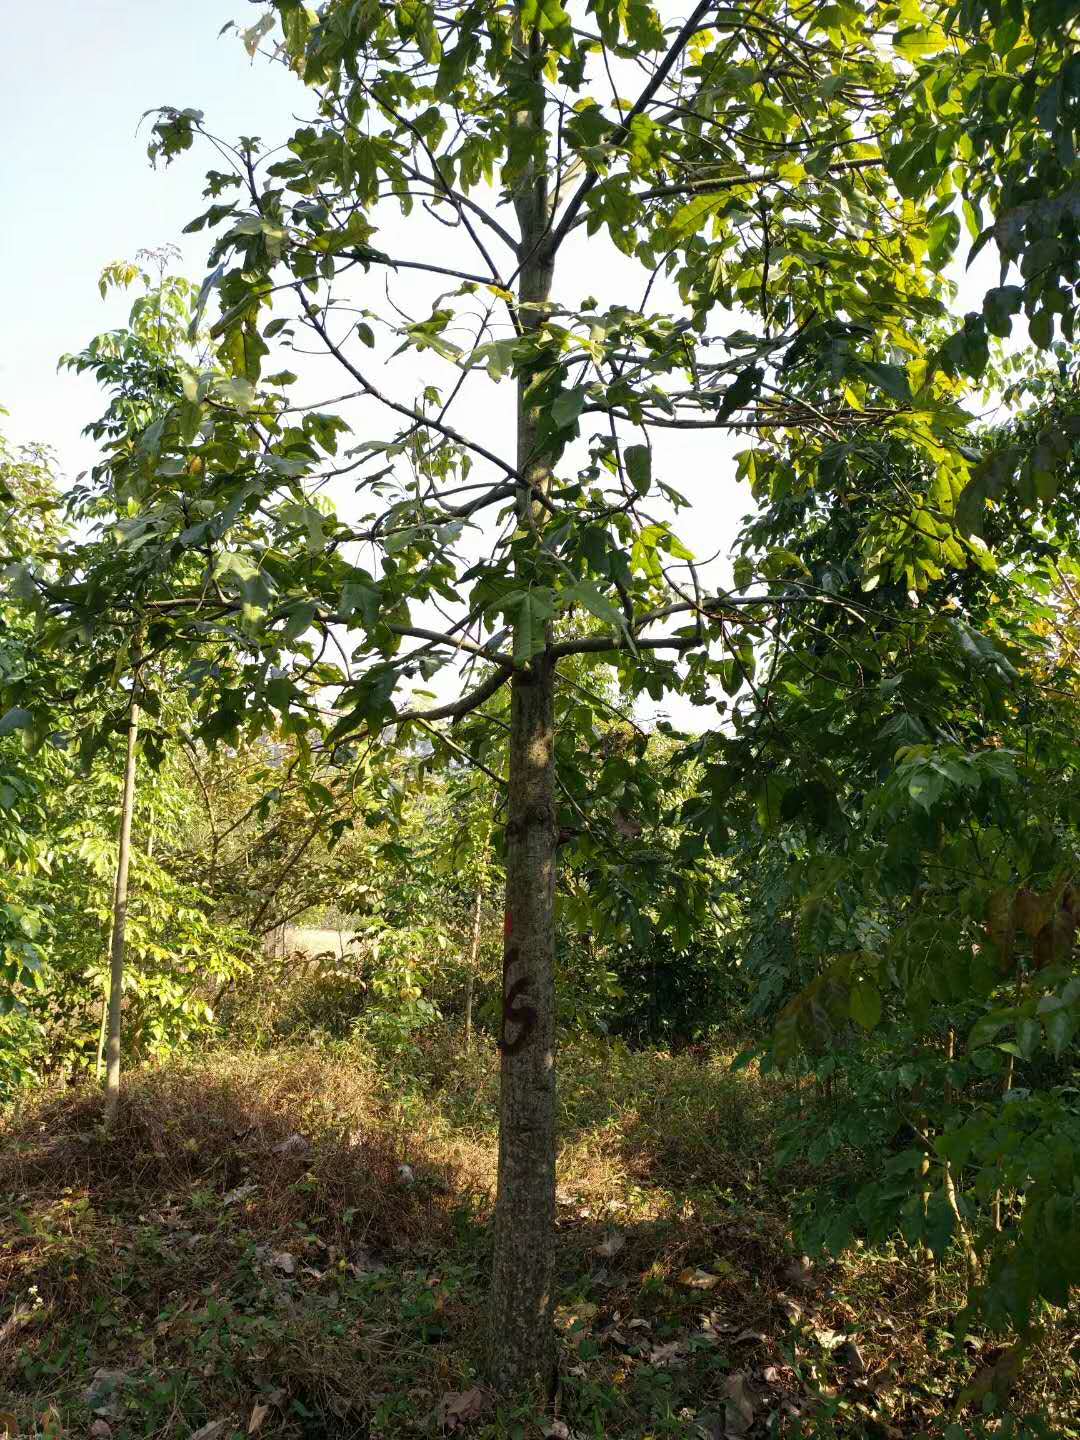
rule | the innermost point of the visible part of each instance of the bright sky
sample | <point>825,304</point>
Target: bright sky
<point>74,82</point>
<point>81,193</point>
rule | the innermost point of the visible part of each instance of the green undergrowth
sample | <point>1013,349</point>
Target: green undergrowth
<point>246,1254</point>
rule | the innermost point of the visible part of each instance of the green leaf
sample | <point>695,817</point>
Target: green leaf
<point>531,615</point>
<point>999,305</point>
<point>944,234</point>
<point>583,592</point>
<point>780,562</point>
<point>926,786</point>
<point>740,392</point>
<point>638,462</point>
<point>865,1003</point>
<point>689,219</point>
<point>360,597</point>
<point>15,719</point>
<point>1041,329</point>
<point>892,379</point>
<point>567,406</point>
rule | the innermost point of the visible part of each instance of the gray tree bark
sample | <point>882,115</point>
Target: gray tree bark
<point>470,979</point>
<point>119,927</point>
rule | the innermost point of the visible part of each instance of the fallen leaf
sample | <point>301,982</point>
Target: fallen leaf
<point>791,1308</point>
<point>612,1335</point>
<point>884,1382</point>
<point>715,1321</point>
<point>233,1197</point>
<point>51,1427</point>
<point>102,1386</point>
<point>364,1263</point>
<point>665,1354</point>
<point>738,1405</point>
<point>827,1339</point>
<point>212,1430</point>
<point>850,1355</point>
<point>610,1247</point>
<point>258,1415</point>
<point>698,1279</point>
<point>749,1335</point>
<point>997,1378</point>
<point>711,1425</point>
<point>283,1261</point>
<point>799,1272</point>
<point>292,1145</point>
<point>569,1315</point>
<point>459,1408</point>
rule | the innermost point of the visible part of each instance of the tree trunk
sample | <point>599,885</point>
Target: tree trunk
<point>470,979</point>
<point>522,1345</point>
<point>99,1063</point>
<point>521,1342</point>
<point>103,1029</point>
<point>120,899</point>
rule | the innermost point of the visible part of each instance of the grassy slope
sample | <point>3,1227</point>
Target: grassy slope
<point>245,1251</point>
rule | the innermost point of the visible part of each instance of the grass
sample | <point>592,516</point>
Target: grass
<point>244,1255</point>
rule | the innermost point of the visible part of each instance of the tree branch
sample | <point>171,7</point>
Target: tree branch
<point>620,133</point>
<point>417,416</point>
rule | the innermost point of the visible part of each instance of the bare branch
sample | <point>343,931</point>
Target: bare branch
<point>455,709</point>
<point>438,637</point>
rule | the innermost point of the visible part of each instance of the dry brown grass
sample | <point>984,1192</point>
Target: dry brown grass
<point>225,1123</point>
<point>164,1250</point>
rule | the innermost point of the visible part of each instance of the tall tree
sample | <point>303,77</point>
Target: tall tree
<point>755,164</point>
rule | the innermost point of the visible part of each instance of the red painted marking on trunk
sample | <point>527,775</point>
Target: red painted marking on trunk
<point>508,925</point>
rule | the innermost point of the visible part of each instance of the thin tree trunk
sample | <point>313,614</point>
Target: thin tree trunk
<point>521,1339</point>
<point>103,1028</point>
<point>971,1258</point>
<point>120,899</point>
<point>470,979</point>
<point>972,1269</point>
<point>1005,1091</point>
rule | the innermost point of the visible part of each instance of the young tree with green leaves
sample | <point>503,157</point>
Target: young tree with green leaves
<point>120,640</point>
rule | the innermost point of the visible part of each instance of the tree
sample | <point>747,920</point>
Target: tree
<point>59,818</point>
<point>116,605</point>
<point>908,773</point>
<point>29,495</point>
<point>756,164</point>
